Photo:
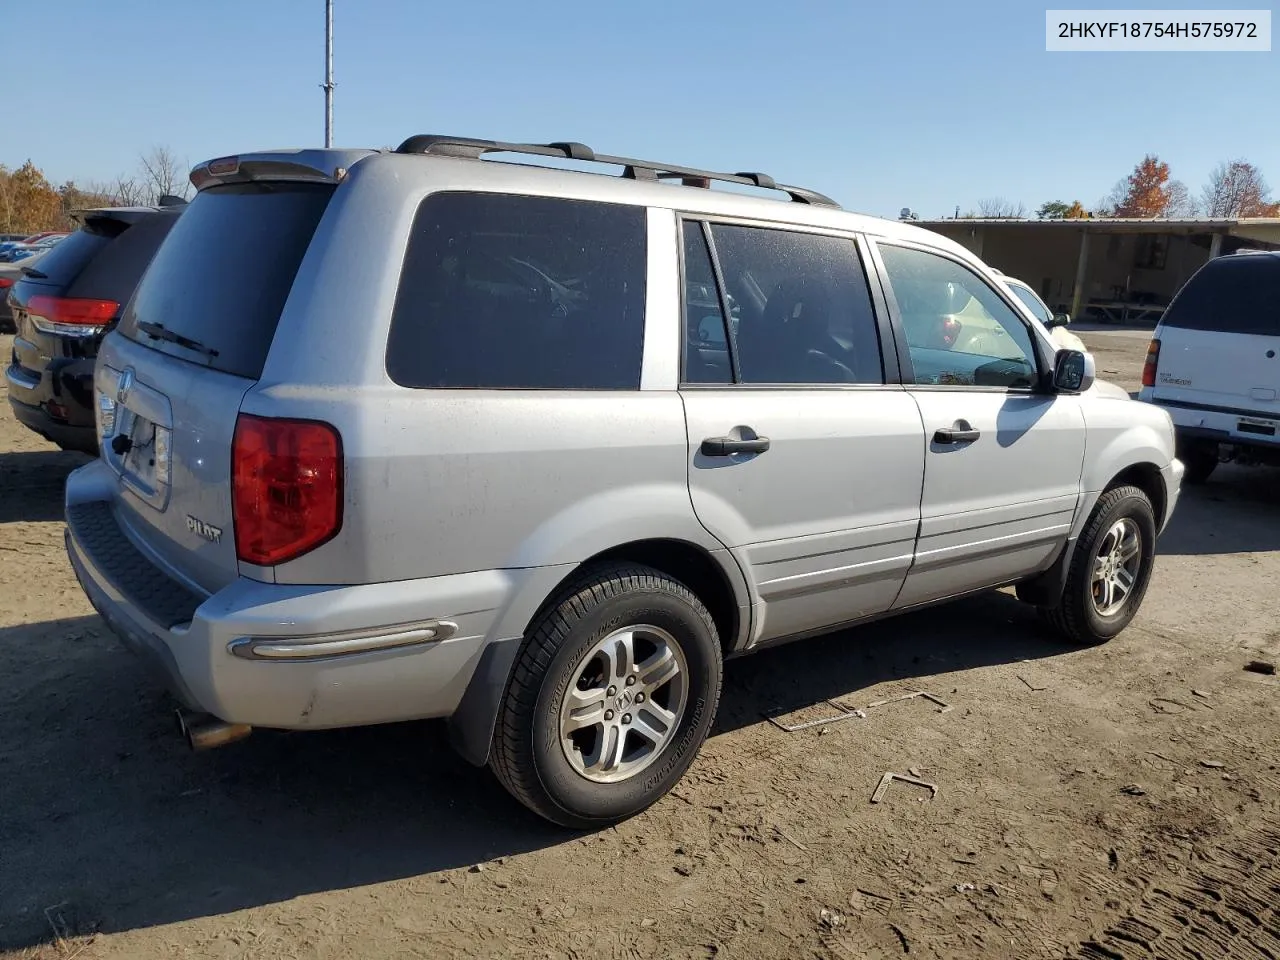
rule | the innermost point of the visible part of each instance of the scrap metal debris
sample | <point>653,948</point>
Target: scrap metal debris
<point>846,712</point>
<point>888,778</point>
<point>1029,686</point>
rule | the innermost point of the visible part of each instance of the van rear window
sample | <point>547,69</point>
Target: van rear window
<point>215,290</point>
<point>1232,294</point>
<point>509,292</point>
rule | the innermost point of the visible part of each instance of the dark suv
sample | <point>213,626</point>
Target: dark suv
<point>64,304</point>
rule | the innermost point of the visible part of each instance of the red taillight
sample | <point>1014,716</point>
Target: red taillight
<point>1149,368</point>
<point>6,282</point>
<point>286,487</point>
<point>51,313</point>
<point>950,331</point>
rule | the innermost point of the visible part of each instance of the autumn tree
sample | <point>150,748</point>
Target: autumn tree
<point>1075,212</point>
<point>1237,189</point>
<point>28,202</point>
<point>1148,192</point>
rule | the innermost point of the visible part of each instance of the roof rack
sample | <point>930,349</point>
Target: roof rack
<point>473,149</point>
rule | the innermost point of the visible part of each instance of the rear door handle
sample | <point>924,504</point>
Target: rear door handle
<point>728,446</point>
<point>960,432</point>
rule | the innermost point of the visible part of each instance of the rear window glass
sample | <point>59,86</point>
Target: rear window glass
<point>63,263</point>
<point>1233,294</point>
<point>220,279</point>
<point>114,272</point>
<point>511,292</point>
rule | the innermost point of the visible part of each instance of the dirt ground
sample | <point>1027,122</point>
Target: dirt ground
<point>1119,801</point>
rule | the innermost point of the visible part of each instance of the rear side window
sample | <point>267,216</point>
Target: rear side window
<point>1235,294</point>
<point>801,308</point>
<point>512,292</point>
<point>220,279</point>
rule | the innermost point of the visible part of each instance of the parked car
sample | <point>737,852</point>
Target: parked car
<point>21,251</point>
<point>1055,323</point>
<point>11,273</point>
<point>383,475</point>
<point>61,306</point>
<point>9,244</point>
<point>1214,363</point>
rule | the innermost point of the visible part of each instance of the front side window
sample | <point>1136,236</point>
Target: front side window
<point>959,331</point>
<point>801,309</point>
<point>511,292</point>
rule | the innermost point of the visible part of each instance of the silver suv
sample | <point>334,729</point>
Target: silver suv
<point>413,433</point>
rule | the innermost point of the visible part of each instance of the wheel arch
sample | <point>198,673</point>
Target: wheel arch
<point>713,576</point>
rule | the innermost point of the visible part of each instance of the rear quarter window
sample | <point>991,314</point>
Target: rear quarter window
<point>511,292</point>
<point>1233,294</point>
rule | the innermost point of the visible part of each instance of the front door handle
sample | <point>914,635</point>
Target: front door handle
<point>728,446</point>
<point>958,432</point>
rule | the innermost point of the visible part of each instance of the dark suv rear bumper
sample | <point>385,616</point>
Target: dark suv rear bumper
<point>67,385</point>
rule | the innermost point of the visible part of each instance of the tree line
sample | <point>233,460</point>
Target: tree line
<point>1236,189</point>
<point>30,203</point>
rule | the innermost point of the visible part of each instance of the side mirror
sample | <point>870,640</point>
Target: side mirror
<point>1059,320</point>
<point>1073,371</point>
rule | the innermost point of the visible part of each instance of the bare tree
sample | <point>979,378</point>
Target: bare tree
<point>1180,205</point>
<point>124,191</point>
<point>1237,189</point>
<point>161,174</point>
<point>1000,208</point>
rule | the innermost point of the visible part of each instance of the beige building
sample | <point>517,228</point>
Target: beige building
<point>1106,268</point>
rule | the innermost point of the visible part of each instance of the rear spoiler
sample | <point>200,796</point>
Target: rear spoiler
<point>299,166</point>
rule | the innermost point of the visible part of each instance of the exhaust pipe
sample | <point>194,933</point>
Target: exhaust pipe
<point>204,732</point>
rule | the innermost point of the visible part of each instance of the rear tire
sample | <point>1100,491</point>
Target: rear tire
<point>560,746</point>
<point>1109,570</point>
<point>1200,463</point>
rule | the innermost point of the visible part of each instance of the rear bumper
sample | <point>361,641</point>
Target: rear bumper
<point>1222,425</point>
<point>56,403</point>
<point>191,641</point>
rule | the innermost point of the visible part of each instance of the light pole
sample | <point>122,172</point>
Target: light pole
<point>327,86</point>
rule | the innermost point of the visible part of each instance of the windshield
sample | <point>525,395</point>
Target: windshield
<point>1034,303</point>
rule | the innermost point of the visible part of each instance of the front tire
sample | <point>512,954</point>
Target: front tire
<point>611,696</point>
<point>1109,570</point>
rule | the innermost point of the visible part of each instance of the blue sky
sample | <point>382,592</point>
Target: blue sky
<point>880,105</point>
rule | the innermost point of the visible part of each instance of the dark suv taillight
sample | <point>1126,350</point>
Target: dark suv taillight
<point>1153,361</point>
<point>286,487</point>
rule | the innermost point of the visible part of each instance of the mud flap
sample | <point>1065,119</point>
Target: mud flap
<point>471,725</point>
<point>1045,589</point>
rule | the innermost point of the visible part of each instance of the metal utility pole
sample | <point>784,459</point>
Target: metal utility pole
<point>327,86</point>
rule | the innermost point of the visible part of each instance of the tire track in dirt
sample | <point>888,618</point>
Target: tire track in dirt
<point>1228,907</point>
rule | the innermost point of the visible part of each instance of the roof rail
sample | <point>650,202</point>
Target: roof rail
<point>473,149</point>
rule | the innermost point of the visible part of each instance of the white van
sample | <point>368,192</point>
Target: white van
<point>1214,363</point>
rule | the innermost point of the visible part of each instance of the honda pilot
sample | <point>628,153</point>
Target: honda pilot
<point>425,433</point>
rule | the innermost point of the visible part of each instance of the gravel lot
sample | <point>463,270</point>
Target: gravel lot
<point>1119,801</point>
